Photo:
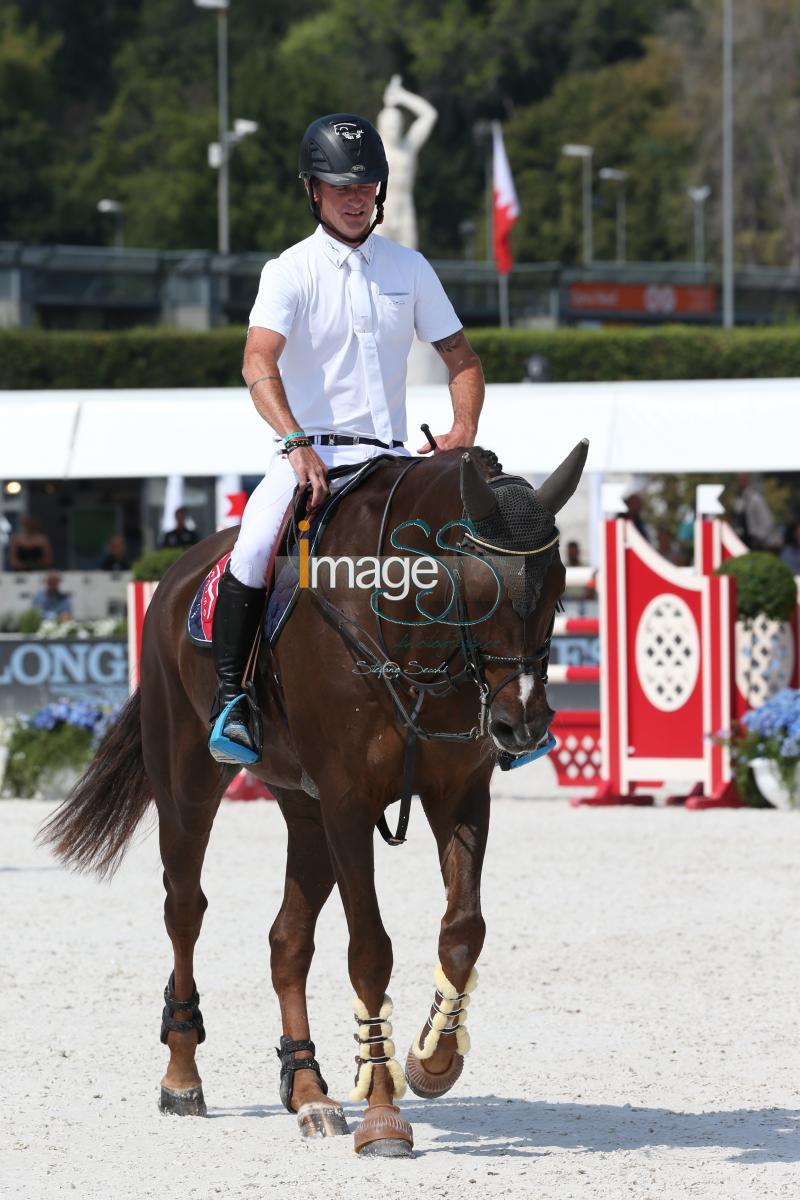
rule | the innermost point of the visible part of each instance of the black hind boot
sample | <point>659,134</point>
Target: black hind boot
<point>237,617</point>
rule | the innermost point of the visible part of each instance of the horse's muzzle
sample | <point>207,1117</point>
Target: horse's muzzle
<point>520,736</point>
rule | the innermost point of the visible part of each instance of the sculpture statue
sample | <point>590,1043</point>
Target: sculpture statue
<point>402,148</point>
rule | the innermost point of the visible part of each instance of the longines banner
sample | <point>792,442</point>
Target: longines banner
<point>34,671</point>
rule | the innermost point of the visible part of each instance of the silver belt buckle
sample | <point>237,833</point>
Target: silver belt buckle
<point>356,440</point>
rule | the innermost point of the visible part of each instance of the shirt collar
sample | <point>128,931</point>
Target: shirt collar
<point>338,252</point>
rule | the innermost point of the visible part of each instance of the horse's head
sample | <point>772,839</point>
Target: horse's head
<point>515,533</point>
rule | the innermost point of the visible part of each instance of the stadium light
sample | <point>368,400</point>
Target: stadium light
<point>614,175</point>
<point>576,150</point>
<point>116,209</point>
<point>698,197</point>
<point>219,151</point>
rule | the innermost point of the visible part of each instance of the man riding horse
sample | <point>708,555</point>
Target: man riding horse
<point>338,312</point>
<point>466,687</point>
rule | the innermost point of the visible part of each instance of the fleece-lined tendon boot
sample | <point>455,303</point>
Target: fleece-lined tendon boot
<point>237,617</point>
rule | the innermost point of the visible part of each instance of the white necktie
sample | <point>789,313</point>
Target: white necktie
<point>363,326</point>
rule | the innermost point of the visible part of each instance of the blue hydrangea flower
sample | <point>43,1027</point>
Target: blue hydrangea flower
<point>778,718</point>
<point>82,714</point>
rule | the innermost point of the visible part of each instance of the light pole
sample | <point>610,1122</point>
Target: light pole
<point>613,175</point>
<point>698,197</point>
<point>219,152</point>
<point>114,207</point>
<point>728,317</point>
<point>571,150</point>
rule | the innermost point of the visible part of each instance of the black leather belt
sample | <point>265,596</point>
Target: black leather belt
<point>346,439</point>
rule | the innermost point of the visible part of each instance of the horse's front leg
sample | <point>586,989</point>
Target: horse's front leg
<point>350,830</point>
<point>460,823</point>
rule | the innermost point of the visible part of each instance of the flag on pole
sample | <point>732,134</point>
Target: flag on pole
<point>506,206</point>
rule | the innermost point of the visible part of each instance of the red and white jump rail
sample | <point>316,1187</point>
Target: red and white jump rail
<point>582,577</point>
<point>561,673</point>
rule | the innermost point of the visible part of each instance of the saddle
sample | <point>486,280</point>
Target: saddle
<point>282,584</point>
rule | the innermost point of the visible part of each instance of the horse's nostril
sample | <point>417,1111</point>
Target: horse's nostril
<point>503,730</point>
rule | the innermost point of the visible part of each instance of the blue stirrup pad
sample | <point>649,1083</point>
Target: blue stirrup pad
<point>538,753</point>
<point>222,745</point>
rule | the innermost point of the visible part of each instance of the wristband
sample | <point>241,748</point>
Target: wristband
<point>297,444</point>
<point>288,437</point>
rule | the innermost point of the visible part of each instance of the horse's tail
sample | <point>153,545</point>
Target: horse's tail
<point>91,830</point>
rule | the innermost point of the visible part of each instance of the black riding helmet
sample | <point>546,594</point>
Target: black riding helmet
<point>343,149</point>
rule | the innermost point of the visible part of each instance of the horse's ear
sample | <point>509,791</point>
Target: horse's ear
<point>558,487</point>
<point>478,498</point>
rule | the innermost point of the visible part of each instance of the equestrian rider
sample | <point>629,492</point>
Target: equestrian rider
<point>325,361</point>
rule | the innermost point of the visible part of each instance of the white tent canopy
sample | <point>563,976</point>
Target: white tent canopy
<point>711,426</point>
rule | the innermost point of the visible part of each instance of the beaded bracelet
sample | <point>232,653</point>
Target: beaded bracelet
<point>297,444</point>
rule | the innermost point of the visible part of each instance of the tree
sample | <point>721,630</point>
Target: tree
<point>627,113</point>
<point>27,145</point>
<point>767,117</point>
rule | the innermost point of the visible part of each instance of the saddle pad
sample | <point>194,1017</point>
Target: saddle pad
<point>285,585</point>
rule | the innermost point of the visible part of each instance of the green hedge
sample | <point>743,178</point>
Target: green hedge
<point>668,352</point>
<point>173,358</point>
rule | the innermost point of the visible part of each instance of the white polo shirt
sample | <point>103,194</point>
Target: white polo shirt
<point>303,295</point>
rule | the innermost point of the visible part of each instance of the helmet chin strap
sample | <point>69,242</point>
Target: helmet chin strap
<point>380,199</point>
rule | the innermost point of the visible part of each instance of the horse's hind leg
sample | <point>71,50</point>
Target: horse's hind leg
<point>309,880</point>
<point>460,822</point>
<point>188,791</point>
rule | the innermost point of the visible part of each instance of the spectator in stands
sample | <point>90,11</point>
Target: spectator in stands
<point>116,555</point>
<point>30,549</point>
<point>670,548</point>
<point>635,503</point>
<point>791,547</point>
<point>181,535</point>
<point>751,516</point>
<point>577,592</point>
<point>53,604</point>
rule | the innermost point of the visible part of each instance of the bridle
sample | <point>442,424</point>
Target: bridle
<point>374,651</point>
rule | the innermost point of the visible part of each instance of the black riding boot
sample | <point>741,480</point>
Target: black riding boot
<point>237,616</point>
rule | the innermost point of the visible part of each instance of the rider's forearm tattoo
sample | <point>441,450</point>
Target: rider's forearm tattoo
<point>448,344</point>
<point>261,379</point>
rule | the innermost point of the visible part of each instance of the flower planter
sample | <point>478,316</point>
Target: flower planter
<point>772,786</point>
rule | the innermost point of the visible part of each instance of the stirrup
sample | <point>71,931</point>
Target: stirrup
<point>289,1064</point>
<point>224,749</point>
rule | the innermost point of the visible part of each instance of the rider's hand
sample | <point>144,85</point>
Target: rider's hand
<point>311,473</point>
<point>459,435</point>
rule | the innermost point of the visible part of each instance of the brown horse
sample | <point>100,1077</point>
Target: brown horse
<point>459,668</point>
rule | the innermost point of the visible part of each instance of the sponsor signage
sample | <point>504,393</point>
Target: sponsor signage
<point>650,299</point>
<point>36,671</point>
<point>575,651</point>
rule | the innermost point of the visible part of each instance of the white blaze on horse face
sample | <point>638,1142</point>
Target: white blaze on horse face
<point>526,683</point>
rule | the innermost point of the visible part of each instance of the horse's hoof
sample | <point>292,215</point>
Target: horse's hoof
<point>427,1085</point>
<point>386,1148</point>
<point>183,1104</point>
<point>384,1134</point>
<point>321,1120</point>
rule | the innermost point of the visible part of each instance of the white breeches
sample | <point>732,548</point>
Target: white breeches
<point>264,510</point>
